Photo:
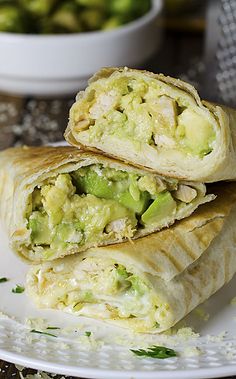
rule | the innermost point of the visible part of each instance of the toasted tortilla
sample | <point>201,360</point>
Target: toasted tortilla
<point>28,169</point>
<point>147,286</point>
<point>165,129</point>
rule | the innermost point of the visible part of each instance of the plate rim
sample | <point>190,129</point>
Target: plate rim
<point>96,373</point>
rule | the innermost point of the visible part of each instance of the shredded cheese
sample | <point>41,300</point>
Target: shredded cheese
<point>192,351</point>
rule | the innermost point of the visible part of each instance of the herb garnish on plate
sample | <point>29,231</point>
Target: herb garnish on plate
<point>159,352</point>
<point>44,333</point>
<point>3,280</point>
<point>18,289</point>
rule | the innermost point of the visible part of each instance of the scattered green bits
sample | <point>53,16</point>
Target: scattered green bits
<point>88,334</point>
<point>159,352</point>
<point>3,280</point>
<point>44,333</point>
<point>53,328</point>
<point>18,289</point>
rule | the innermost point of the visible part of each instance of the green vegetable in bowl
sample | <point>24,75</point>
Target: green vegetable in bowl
<point>99,4</point>
<point>112,23</point>
<point>92,19</point>
<point>38,7</point>
<point>129,9</point>
<point>68,16</point>
<point>129,6</point>
<point>11,19</point>
<point>65,19</point>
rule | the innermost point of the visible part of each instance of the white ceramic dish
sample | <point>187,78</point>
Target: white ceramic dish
<point>61,64</point>
<point>106,354</point>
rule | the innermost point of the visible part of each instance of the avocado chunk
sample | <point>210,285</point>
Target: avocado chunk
<point>93,215</point>
<point>163,206</point>
<point>40,232</point>
<point>94,184</point>
<point>137,206</point>
<point>137,285</point>
<point>198,132</point>
<point>68,232</point>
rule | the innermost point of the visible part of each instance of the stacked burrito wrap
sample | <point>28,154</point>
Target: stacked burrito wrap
<point>121,226</point>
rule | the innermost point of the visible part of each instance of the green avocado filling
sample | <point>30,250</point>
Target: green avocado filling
<point>141,110</point>
<point>96,204</point>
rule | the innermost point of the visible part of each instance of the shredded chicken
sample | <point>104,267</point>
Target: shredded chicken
<point>185,193</point>
<point>153,185</point>
<point>161,185</point>
<point>168,110</point>
<point>74,237</point>
<point>103,104</point>
<point>117,226</point>
<point>121,228</point>
<point>162,141</point>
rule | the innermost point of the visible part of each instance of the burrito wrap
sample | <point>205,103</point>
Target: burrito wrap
<point>215,164</point>
<point>171,272</point>
<point>38,185</point>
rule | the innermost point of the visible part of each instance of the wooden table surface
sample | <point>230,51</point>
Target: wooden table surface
<point>34,121</point>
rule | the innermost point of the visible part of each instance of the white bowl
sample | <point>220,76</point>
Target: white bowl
<point>61,64</point>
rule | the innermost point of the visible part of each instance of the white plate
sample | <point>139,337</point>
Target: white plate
<point>106,353</point>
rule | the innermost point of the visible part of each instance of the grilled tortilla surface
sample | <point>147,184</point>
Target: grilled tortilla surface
<point>57,201</point>
<point>155,122</point>
<point>151,284</point>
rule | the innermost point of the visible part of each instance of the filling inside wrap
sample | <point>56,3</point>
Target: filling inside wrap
<point>142,110</point>
<point>100,288</point>
<point>151,284</point>
<point>97,204</point>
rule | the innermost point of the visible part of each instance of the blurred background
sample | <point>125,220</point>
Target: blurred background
<point>49,48</point>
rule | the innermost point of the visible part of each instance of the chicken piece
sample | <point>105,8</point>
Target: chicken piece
<point>103,104</point>
<point>164,141</point>
<point>185,193</point>
<point>121,227</point>
<point>168,111</point>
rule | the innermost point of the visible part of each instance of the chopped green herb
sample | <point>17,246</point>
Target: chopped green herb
<point>156,325</point>
<point>53,328</point>
<point>45,333</point>
<point>88,334</point>
<point>159,352</point>
<point>18,289</point>
<point>3,280</point>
